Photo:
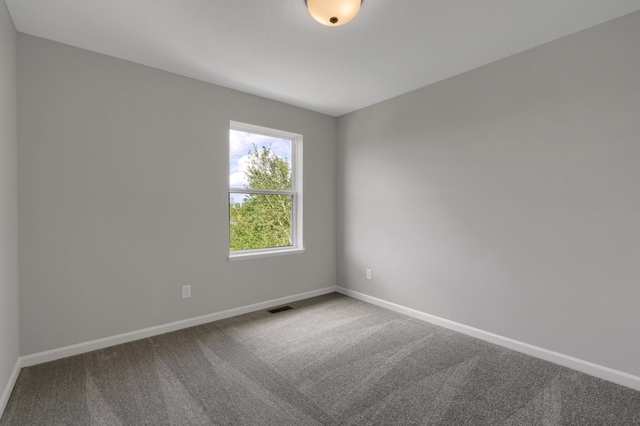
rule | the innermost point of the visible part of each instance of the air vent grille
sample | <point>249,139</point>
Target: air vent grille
<point>280,309</point>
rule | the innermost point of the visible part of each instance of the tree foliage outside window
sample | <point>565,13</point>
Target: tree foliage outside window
<point>262,220</point>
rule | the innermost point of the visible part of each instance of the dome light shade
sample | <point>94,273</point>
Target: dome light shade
<point>333,12</point>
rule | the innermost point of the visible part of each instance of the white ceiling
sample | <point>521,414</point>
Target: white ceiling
<point>273,48</point>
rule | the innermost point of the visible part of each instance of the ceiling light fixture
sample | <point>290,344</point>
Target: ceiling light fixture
<point>333,12</point>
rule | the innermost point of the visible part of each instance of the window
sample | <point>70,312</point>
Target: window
<point>265,192</point>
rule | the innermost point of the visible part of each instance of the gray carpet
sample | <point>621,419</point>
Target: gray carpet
<point>332,360</point>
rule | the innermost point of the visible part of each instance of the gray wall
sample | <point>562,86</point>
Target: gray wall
<point>507,198</point>
<point>123,177</point>
<point>8,199</point>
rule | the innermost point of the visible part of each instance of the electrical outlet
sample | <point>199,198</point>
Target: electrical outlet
<point>368,274</point>
<point>186,291</point>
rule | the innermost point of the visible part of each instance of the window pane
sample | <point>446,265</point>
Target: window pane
<point>259,162</point>
<point>259,221</point>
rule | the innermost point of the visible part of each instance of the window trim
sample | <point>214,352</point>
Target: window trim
<point>297,245</point>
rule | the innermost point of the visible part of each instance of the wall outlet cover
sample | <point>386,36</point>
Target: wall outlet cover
<point>186,291</point>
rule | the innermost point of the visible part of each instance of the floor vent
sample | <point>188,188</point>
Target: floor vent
<point>280,309</point>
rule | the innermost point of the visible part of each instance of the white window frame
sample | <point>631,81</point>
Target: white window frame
<point>297,245</point>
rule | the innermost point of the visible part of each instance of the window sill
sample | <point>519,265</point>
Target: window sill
<point>255,254</point>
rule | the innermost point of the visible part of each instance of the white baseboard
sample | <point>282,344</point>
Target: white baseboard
<point>590,368</point>
<point>6,393</point>
<point>596,370</point>
<point>54,354</point>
